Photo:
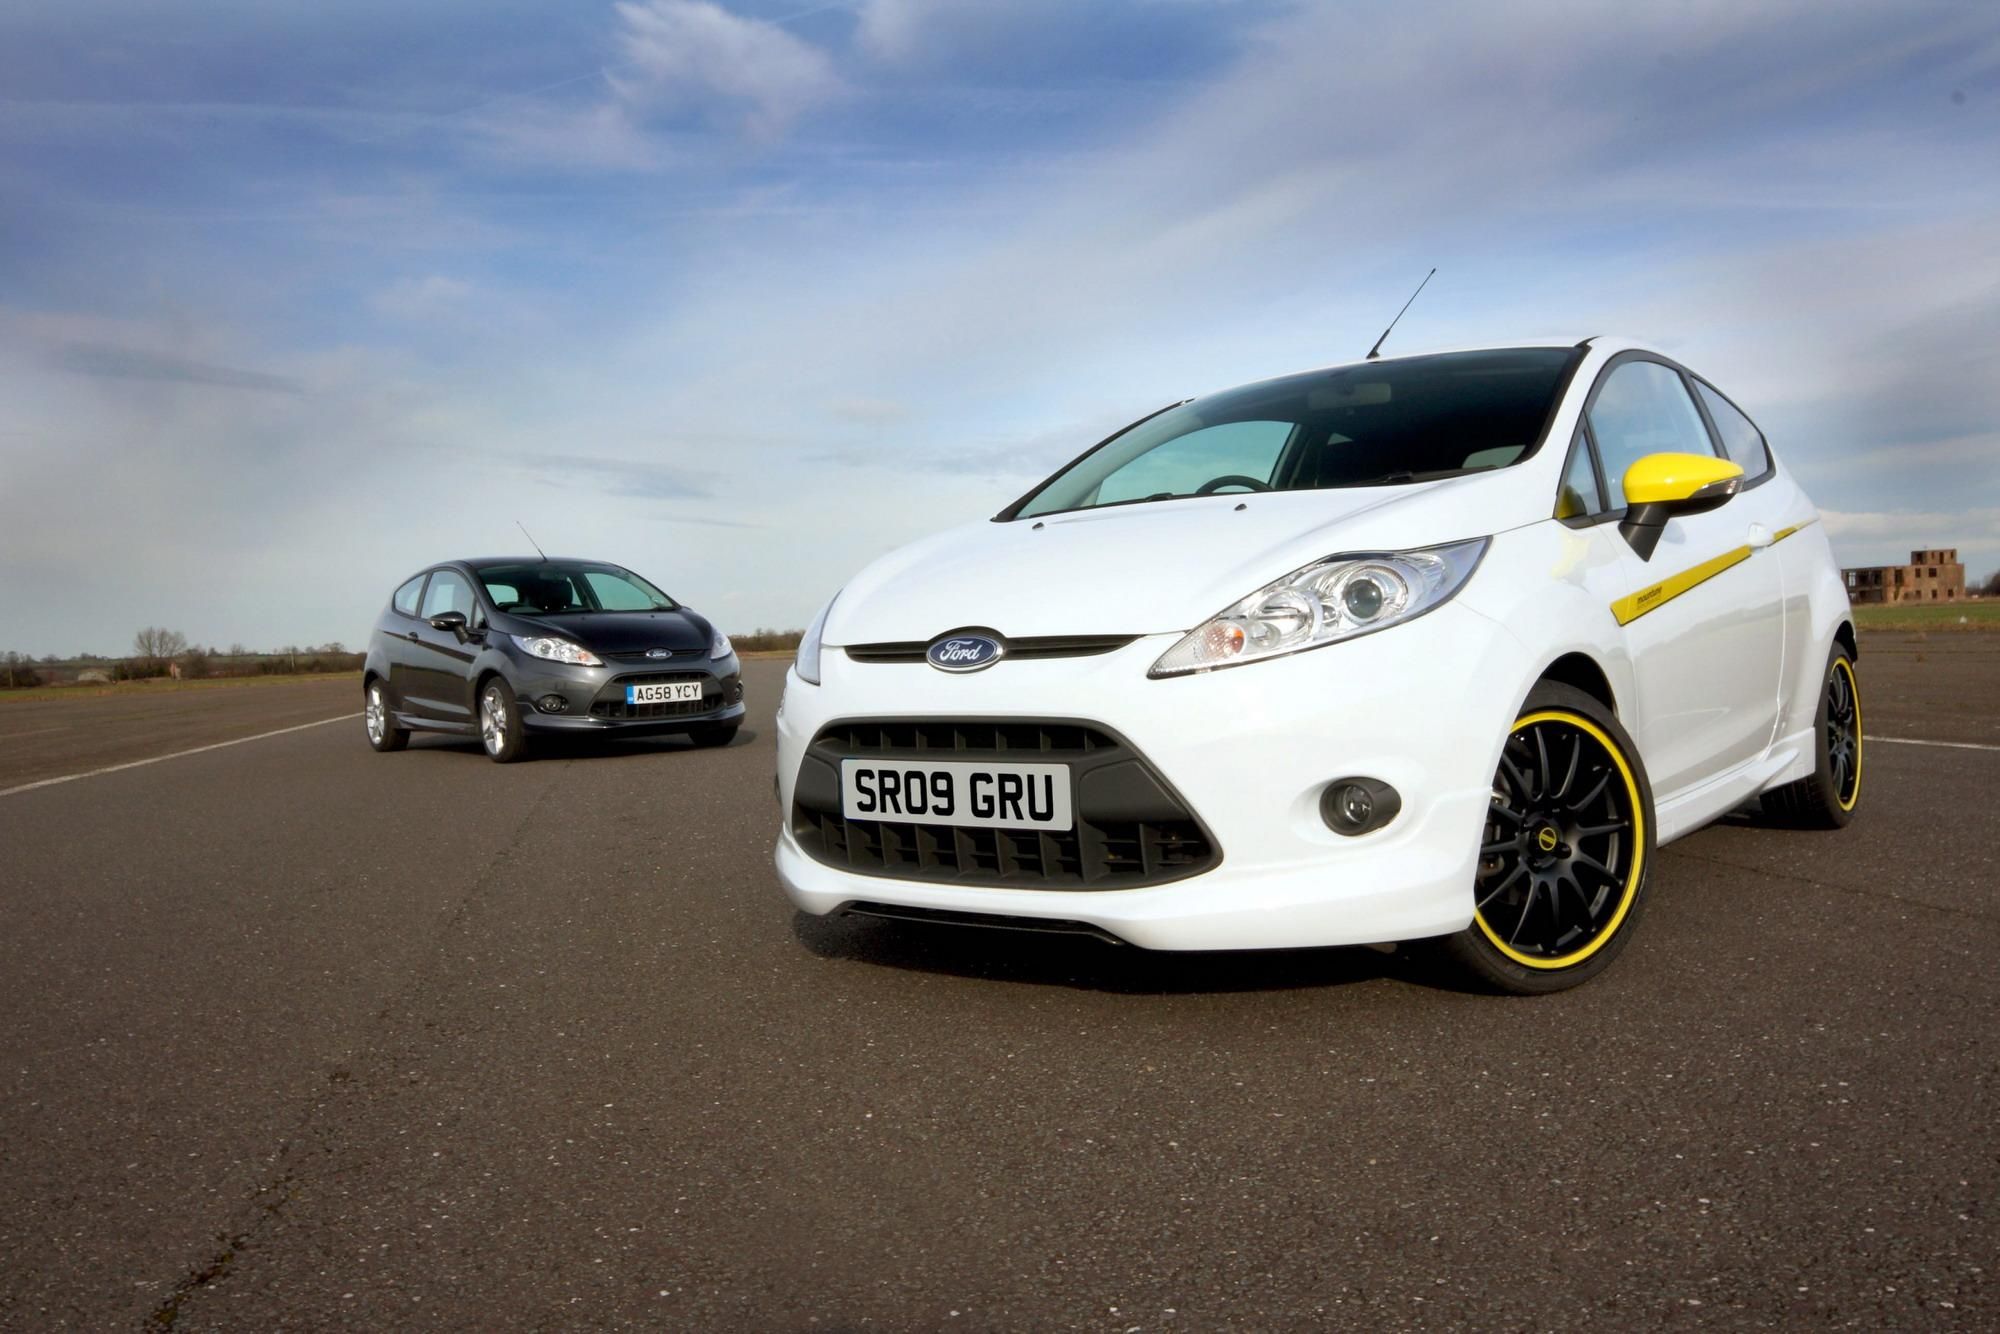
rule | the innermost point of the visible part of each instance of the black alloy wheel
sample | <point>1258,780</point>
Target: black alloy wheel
<point>1566,847</point>
<point>1827,797</point>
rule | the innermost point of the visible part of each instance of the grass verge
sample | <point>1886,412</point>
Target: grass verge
<point>1981,615</point>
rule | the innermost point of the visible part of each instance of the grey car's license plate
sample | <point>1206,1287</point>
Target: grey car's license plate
<point>669,692</point>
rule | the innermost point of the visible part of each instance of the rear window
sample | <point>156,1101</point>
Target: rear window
<point>405,598</point>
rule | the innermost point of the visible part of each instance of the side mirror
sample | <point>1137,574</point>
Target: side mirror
<point>1665,486</point>
<point>453,621</point>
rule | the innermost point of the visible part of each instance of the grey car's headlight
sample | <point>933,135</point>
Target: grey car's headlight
<point>1329,600</point>
<point>720,647</point>
<point>807,665</point>
<point>557,650</point>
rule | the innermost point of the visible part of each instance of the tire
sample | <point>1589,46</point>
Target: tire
<point>1827,798</point>
<point>715,734</point>
<point>500,723</point>
<point>1561,877</point>
<point>380,720</point>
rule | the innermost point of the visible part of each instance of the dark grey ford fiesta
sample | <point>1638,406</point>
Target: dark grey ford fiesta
<point>508,648</point>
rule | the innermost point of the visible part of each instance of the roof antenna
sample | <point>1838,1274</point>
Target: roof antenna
<point>531,540</point>
<point>1376,351</point>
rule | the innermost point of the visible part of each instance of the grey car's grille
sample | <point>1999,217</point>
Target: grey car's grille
<point>643,657</point>
<point>717,692</point>
<point>1131,828</point>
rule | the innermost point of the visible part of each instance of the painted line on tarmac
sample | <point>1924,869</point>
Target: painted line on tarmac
<point>1892,740</point>
<point>37,731</point>
<point>175,755</point>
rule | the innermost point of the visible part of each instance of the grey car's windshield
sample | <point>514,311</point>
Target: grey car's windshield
<point>1376,424</point>
<point>554,587</point>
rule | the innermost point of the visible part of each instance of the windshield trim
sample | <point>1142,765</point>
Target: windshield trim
<point>1565,380</point>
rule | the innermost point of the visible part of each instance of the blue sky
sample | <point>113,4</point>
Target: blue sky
<point>297,298</point>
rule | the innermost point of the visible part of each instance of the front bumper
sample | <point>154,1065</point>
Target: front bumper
<point>1424,707</point>
<point>593,698</point>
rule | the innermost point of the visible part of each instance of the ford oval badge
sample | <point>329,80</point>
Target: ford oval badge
<point>964,653</point>
<point>659,653</point>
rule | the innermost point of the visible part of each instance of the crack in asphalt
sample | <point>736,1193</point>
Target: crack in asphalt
<point>267,1202</point>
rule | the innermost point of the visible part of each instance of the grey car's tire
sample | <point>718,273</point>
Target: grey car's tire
<point>500,728</point>
<point>380,720</point>
<point>1565,853</point>
<point>715,734</point>
<point>1827,798</point>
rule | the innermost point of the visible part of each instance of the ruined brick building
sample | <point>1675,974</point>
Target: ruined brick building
<point>1931,576</point>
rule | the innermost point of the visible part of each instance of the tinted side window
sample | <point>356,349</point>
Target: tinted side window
<point>1580,493</point>
<point>405,599</point>
<point>1741,440</point>
<point>448,591</point>
<point>1643,408</point>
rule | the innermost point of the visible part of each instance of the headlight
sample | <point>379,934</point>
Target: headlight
<point>558,650</point>
<point>720,647</point>
<point>1338,598</point>
<point>808,661</point>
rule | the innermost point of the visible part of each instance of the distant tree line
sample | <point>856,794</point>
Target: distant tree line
<point>161,652</point>
<point>762,640</point>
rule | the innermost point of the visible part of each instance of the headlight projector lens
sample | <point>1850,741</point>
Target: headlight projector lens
<point>1355,806</point>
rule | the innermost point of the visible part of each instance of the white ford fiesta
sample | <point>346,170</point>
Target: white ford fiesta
<point>1433,648</point>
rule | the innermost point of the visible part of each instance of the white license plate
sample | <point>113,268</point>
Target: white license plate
<point>671,692</point>
<point>980,796</point>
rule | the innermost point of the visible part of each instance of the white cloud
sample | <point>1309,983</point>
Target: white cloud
<point>690,55</point>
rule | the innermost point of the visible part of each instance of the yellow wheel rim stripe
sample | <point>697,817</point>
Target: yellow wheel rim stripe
<point>1631,890</point>
<point>1854,693</point>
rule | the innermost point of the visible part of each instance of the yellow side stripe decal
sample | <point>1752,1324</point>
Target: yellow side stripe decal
<point>1630,609</point>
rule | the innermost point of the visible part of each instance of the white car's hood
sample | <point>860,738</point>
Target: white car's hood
<point>1149,568</point>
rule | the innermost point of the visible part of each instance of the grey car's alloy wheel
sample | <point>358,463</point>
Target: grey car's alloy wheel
<point>500,724</point>
<point>383,734</point>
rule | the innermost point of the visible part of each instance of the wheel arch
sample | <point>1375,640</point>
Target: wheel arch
<point>1843,634</point>
<point>1582,672</point>
<point>485,675</point>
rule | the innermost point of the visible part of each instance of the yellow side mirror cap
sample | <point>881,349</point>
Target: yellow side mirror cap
<point>1667,479</point>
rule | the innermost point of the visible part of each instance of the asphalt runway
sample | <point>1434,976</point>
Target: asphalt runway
<point>302,1036</point>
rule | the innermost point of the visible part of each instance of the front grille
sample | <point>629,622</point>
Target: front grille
<point>717,692</point>
<point>1039,646</point>
<point>640,658</point>
<point>1131,828</point>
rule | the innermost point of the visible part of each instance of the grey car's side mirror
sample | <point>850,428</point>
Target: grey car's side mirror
<point>453,621</point>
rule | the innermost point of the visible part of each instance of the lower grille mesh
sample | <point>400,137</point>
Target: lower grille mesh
<point>1131,829</point>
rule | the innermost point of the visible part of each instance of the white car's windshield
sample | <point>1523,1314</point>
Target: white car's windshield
<point>553,587</point>
<point>1376,424</point>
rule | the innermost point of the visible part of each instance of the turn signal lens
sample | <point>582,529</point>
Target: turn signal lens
<point>1338,598</point>
<point>807,663</point>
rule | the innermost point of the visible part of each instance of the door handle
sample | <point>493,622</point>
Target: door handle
<point>415,638</point>
<point>1759,537</point>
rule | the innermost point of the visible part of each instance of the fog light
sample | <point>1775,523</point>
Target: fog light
<point>552,704</point>
<point>1358,805</point>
